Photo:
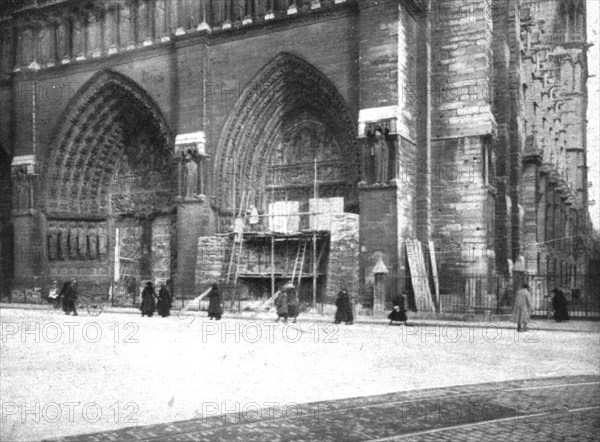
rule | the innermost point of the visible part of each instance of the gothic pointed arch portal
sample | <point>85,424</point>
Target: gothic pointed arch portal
<point>110,183</point>
<point>287,117</point>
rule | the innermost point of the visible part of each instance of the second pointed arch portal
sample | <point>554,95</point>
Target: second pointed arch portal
<point>289,121</point>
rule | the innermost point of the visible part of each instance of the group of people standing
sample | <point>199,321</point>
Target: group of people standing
<point>287,304</point>
<point>152,302</point>
<point>524,307</point>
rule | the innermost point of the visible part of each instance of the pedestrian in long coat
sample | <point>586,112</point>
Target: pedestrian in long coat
<point>163,306</point>
<point>523,308</point>
<point>62,296</point>
<point>293,307</point>
<point>281,303</point>
<point>344,309</point>
<point>559,305</point>
<point>69,298</point>
<point>215,308</point>
<point>148,306</point>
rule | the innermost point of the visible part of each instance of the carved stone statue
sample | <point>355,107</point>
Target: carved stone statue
<point>78,38</point>
<point>102,243</point>
<point>82,241</point>
<point>26,47</point>
<point>64,244</point>
<point>92,235</point>
<point>44,45</point>
<point>73,236</point>
<point>190,175</point>
<point>62,41</point>
<point>380,154</point>
<point>23,191</point>
<point>52,244</point>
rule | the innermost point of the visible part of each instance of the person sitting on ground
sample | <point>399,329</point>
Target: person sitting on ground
<point>398,313</point>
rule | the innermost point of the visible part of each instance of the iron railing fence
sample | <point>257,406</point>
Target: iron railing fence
<point>486,294</point>
<point>458,294</point>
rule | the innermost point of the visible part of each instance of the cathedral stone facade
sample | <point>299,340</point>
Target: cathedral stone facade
<point>449,137</point>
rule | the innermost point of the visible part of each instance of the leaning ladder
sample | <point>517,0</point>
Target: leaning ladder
<point>233,248</point>
<point>301,263</point>
<point>239,254</point>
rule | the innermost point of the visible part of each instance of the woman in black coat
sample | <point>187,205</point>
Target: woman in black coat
<point>163,306</point>
<point>215,309</point>
<point>292,301</point>
<point>559,305</point>
<point>69,298</point>
<point>148,305</point>
<point>344,308</point>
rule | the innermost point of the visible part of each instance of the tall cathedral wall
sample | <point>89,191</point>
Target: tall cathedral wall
<point>483,105</point>
<point>462,124</point>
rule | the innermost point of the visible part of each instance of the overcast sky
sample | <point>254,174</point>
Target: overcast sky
<point>593,21</point>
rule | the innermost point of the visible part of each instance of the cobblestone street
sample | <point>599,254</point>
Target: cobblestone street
<point>564,408</point>
<point>130,378</point>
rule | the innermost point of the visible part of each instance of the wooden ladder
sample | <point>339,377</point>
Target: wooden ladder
<point>232,258</point>
<point>301,262</point>
<point>238,258</point>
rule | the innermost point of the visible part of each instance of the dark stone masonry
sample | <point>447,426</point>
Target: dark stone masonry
<point>130,129</point>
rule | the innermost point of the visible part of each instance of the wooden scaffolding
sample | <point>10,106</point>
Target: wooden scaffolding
<point>318,240</point>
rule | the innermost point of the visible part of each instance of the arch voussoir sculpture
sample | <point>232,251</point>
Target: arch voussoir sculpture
<point>283,91</point>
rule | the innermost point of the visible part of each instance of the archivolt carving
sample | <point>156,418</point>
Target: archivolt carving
<point>101,126</point>
<point>288,99</point>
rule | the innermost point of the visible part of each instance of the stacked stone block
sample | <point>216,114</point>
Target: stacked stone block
<point>342,267</point>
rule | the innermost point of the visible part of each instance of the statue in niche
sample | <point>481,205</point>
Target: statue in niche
<point>82,242</point>
<point>23,190</point>
<point>77,38</point>
<point>52,244</point>
<point>92,235</point>
<point>73,236</point>
<point>379,155</point>
<point>94,32</point>
<point>62,42</point>
<point>102,242</point>
<point>190,174</point>
<point>43,55</point>
<point>26,47</point>
<point>64,244</point>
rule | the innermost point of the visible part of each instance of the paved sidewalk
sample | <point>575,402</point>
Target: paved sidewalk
<point>561,408</point>
<point>575,325</point>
